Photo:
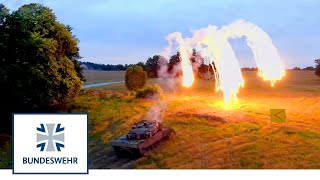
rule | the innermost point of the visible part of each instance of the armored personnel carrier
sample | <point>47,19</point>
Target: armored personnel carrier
<point>142,138</point>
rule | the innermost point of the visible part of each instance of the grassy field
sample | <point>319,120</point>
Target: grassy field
<point>208,135</point>
<point>93,77</point>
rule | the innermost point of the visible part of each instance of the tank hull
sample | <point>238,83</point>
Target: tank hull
<point>124,147</point>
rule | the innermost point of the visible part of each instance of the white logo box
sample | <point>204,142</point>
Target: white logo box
<point>25,143</point>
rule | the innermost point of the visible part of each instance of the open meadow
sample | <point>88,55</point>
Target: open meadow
<point>207,134</point>
<point>93,77</point>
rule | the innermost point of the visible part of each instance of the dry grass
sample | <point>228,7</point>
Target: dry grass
<point>208,135</point>
<point>93,77</point>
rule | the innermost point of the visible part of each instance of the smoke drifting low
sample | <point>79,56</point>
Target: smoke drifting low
<point>156,112</point>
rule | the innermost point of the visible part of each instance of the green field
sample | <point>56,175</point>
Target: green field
<point>208,135</point>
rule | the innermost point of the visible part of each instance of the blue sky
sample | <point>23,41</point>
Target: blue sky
<point>127,31</point>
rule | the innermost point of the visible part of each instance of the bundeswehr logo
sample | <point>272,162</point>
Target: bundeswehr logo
<point>50,143</point>
<point>50,137</point>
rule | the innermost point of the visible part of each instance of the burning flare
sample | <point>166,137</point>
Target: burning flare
<point>212,43</point>
<point>265,53</point>
<point>187,71</point>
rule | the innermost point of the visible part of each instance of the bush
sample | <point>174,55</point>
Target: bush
<point>135,78</point>
<point>149,92</point>
<point>318,71</point>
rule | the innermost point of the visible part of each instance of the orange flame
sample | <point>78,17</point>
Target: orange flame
<point>187,71</point>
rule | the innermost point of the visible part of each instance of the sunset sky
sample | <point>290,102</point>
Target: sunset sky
<point>126,31</point>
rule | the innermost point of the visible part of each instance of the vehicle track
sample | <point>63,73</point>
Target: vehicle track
<point>103,157</point>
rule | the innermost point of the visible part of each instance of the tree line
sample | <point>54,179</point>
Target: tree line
<point>103,67</point>
<point>308,68</point>
<point>152,65</point>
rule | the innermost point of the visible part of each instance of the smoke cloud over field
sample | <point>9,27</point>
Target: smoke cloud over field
<point>213,44</point>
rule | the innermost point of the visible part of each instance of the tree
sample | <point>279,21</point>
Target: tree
<point>203,69</point>
<point>135,78</point>
<point>308,68</point>
<point>39,62</point>
<point>152,66</point>
<point>198,65</point>
<point>317,61</point>
<point>142,65</point>
<point>4,12</point>
<point>173,61</point>
<point>196,60</point>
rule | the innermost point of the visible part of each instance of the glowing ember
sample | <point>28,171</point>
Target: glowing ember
<point>212,43</point>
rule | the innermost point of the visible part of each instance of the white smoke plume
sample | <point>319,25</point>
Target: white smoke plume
<point>213,44</point>
<point>156,112</point>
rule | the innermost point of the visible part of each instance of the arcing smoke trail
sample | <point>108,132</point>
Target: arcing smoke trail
<point>265,53</point>
<point>213,44</point>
